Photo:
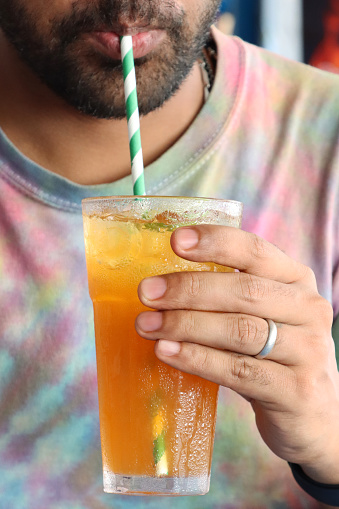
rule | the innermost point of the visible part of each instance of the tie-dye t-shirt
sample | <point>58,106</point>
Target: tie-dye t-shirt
<point>267,136</point>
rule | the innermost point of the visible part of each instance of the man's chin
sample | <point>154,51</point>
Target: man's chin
<point>114,110</point>
<point>101,95</point>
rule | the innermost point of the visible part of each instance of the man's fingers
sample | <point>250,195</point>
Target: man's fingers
<point>228,292</point>
<point>233,332</point>
<point>263,381</point>
<point>241,250</point>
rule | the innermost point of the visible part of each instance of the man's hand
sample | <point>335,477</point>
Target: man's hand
<point>213,324</point>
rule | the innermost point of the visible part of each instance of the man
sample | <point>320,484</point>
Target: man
<point>254,128</point>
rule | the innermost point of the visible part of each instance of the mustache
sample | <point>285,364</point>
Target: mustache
<point>112,14</point>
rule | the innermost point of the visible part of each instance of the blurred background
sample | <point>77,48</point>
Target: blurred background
<point>303,30</point>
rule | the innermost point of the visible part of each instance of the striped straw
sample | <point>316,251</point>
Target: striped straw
<point>132,110</point>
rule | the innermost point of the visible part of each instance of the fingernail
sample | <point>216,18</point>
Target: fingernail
<point>153,288</point>
<point>149,321</point>
<point>168,348</point>
<point>187,238</point>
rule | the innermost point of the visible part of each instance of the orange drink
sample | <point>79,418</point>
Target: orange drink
<point>157,424</point>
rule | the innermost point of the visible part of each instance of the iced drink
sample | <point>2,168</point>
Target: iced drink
<point>157,424</point>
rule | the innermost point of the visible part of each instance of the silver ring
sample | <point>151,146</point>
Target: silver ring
<point>272,338</point>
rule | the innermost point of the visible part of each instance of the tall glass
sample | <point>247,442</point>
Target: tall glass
<point>157,424</point>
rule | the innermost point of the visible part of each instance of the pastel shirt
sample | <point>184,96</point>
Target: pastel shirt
<point>267,136</point>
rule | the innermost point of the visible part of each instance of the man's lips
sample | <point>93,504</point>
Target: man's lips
<point>144,41</point>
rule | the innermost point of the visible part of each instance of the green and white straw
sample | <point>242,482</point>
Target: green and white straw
<point>132,111</point>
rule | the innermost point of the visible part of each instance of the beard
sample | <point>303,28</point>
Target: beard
<point>89,80</point>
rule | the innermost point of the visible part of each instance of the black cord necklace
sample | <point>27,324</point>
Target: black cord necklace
<point>208,64</point>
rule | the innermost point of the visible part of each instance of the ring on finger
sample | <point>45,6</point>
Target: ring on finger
<point>271,340</point>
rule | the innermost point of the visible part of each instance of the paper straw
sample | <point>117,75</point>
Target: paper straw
<point>132,111</point>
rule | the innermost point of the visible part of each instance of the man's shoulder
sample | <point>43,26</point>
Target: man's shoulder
<point>265,67</point>
<point>299,74</point>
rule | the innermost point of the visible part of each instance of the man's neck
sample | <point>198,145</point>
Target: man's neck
<point>82,149</point>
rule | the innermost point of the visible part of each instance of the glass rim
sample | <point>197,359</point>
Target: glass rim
<point>157,197</point>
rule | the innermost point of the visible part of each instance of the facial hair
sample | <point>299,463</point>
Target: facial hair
<point>90,81</point>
